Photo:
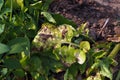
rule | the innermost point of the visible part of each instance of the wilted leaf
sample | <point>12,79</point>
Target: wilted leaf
<point>3,48</point>
<point>96,77</point>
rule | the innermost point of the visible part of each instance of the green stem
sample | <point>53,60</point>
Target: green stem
<point>70,43</point>
<point>11,10</point>
<point>114,51</point>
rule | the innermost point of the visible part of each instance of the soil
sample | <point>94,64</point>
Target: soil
<point>96,13</point>
<point>102,17</point>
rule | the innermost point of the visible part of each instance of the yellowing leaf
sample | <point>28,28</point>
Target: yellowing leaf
<point>81,56</point>
<point>85,46</point>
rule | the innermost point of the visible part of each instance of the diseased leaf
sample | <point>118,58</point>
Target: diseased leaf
<point>4,11</point>
<point>67,55</point>
<point>3,48</point>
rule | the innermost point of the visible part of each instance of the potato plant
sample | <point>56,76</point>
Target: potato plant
<point>38,45</point>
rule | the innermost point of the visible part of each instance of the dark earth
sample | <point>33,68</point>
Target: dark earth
<point>96,13</point>
<point>102,17</point>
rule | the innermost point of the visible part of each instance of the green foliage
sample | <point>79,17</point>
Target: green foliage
<point>36,44</point>
<point>3,48</point>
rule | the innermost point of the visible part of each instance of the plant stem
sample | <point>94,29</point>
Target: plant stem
<point>11,6</point>
<point>70,43</point>
<point>114,51</point>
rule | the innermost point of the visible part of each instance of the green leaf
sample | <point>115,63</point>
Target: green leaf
<point>1,4</point>
<point>48,16</point>
<point>81,56</point>
<point>12,63</point>
<point>4,11</point>
<point>99,54</point>
<point>36,5</point>
<point>118,76</point>
<point>85,46</point>
<point>46,5</point>
<point>62,20</point>
<point>96,77</point>
<point>4,71</point>
<point>105,71</point>
<point>3,48</point>
<point>67,54</point>
<point>20,3</point>
<point>68,75</point>
<point>2,27</point>
<point>19,45</point>
<point>35,64</point>
<point>19,73</point>
<point>81,29</point>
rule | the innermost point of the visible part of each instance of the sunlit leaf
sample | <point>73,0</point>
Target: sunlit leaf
<point>48,16</point>
<point>67,54</point>
<point>85,46</point>
<point>81,56</point>
<point>96,77</point>
<point>3,48</point>
<point>20,3</point>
